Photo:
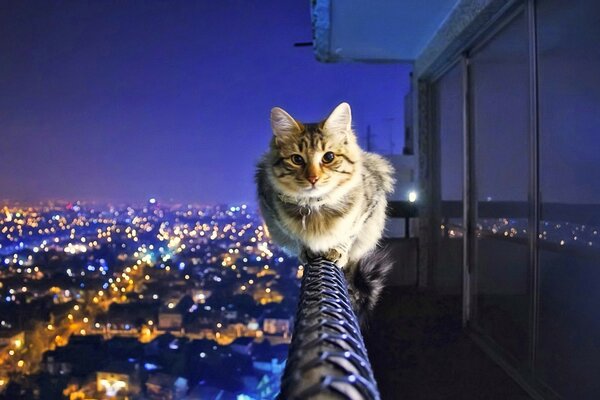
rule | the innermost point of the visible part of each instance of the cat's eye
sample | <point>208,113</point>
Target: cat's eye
<point>328,157</point>
<point>297,159</point>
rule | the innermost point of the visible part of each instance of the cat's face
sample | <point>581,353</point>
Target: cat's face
<point>310,160</point>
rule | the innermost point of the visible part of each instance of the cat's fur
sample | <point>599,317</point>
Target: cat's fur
<point>332,209</point>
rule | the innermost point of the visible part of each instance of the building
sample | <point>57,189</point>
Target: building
<point>162,386</point>
<point>4,381</point>
<point>112,384</point>
<point>169,320</point>
<point>12,339</point>
<point>12,344</point>
<point>57,362</point>
<point>504,115</point>
<point>277,326</point>
<point>242,345</point>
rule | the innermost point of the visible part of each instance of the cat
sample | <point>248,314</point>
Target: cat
<point>321,195</point>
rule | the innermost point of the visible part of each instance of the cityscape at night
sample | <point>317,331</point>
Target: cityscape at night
<point>158,299</point>
<point>431,169</point>
<point>145,117</point>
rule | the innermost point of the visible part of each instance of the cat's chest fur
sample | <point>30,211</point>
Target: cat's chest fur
<point>320,225</point>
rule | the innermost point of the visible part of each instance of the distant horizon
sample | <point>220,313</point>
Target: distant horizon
<point>85,202</point>
<point>251,203</point>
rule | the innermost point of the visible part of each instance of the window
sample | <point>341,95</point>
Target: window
<point>499,84</point>
<point>448,97</point>
<point>568,354</point>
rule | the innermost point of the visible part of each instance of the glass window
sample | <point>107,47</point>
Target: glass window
<point>568,353</point>
<point>499,84</point>
<point>448,96</point>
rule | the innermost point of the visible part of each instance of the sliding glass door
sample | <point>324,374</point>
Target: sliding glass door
<point>500,126</point>
<point>568,350</point>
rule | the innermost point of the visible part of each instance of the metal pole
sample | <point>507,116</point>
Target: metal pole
<point>327,357</point>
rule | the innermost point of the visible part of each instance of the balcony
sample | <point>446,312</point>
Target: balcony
<point>415,341</point>
<point>507,252</point>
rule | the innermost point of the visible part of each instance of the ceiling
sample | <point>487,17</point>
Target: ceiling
<point>376,30</point>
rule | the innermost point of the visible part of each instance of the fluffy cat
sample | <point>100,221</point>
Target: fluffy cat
<point>321,195</point>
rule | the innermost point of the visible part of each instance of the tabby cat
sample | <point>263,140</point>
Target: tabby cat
<point>321,195</point>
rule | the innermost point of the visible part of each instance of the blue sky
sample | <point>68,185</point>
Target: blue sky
<point>120,101</point>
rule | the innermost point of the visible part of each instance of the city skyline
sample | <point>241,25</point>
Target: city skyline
<point>129,301</point>
<point>119,104</point>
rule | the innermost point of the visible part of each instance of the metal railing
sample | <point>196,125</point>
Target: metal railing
<point>327,357</point>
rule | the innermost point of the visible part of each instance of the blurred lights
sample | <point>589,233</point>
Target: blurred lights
<point>412,196</point>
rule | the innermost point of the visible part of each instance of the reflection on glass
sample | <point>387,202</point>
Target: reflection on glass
<point>568,353</point>
<point>499,85</point>
<point>449,130</point>
<point>450,133</point>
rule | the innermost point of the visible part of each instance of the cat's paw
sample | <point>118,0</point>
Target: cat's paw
<point>306,256</point>
<point>336,256</point>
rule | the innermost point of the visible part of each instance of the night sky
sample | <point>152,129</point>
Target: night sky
<point>125,100</point>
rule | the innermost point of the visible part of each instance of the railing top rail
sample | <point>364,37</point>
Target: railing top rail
<point>327,357</point>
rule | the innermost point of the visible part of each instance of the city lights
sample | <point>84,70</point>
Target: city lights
<point>149,261</point>
<point>412,196</point>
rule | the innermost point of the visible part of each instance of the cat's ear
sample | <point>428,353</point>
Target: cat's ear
<point>282,123</point>
<point>340,119</point>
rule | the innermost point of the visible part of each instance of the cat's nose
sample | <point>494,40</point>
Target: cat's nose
<point>312,179</point>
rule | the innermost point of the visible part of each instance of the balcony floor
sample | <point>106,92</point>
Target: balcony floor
<point>418,350</point>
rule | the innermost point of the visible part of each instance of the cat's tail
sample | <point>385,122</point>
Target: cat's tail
<point>366,280</point>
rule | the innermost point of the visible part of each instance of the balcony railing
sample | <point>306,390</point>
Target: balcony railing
<point>327,357</point>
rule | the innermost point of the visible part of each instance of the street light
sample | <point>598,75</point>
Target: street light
<point>412,196</point>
